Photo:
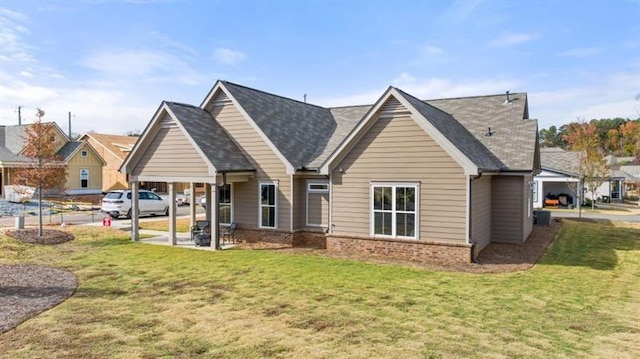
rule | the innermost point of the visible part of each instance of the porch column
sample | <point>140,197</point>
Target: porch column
<point>207,198</point>
<point>172,213</point>
<point>212,211</point>
<point>192,205</point>
<point>135,205</point>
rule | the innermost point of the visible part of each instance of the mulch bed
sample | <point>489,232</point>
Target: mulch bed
<point>28,290</point>
<point>495,258</point>
<point>49,236</point>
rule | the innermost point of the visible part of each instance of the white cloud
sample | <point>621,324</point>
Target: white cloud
<point>604,97</point>
<point>228,56</point>
<point>26,74</point>
<point>142,65</point>
<point>512,39</point>
<point>13,47</point>
<point>581,52</point>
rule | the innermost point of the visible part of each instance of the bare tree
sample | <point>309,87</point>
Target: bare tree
<point>43,170</point>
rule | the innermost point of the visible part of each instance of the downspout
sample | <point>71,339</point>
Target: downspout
<point>470,239</point>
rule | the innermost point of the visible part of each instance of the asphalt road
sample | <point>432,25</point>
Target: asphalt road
<point>610,217</point>
<point>79,217</point>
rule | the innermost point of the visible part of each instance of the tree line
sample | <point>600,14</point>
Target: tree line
<point>613,136</point>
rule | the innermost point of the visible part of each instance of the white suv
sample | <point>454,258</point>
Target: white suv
<point>118,203</point>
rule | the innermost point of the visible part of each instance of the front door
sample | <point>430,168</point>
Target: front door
<point>615,189</point>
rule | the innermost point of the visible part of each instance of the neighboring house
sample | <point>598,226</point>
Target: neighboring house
<point>420,180</point>
<point>631,174</point>
<point>560,177</point>
<point>113,149</point>
<point>84,164</point>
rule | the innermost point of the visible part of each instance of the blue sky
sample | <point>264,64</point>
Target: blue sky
<point>111,63</point>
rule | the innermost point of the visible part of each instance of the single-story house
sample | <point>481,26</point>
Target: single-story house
<point>559,181</point>
<point>419,180</point>
<point>83,163</point>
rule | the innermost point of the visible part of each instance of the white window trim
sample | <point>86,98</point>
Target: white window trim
<point>309,190</point>
<point>275,220</point>
<point>230,205</point>
<point>372,185</point>
<point>84,153</point>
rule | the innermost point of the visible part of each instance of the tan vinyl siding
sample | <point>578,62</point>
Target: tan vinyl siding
<point>398,149</point>
<point>269,167</point>
<point>481,212</point>
<point>170,153</point>
<point>299,202</point>
<point>507,209</point>
<point>318,209</point>
<point>77,162</point>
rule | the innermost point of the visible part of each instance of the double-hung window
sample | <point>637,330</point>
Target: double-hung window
<point>268,205</point>
<point>395,210</point>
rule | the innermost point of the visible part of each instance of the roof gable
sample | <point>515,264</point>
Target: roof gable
<point>437,124</point>
<point>197,125</point>
<point>295,129</point>
<point>70,149</point>
<point>207,134</point>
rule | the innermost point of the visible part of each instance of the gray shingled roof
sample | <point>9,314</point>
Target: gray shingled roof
<point>68,149</point>
<point>14,140</point>
<point>297,129</point>
<point>8,156</point>
<point>457,134</point>
<point>513,138</point>
<point>216,144</point>
<point>558,160</point>
<point>632,170</point>
<point>346,119</point>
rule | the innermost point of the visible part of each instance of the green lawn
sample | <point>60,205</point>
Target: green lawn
<point>145,301</point>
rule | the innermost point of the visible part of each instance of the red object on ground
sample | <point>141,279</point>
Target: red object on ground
<point>106,221</point>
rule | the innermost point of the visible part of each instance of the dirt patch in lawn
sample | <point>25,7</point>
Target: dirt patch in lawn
<point>495,258</point>
<point>49,236</point>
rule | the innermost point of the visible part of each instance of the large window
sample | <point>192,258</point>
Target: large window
<point>268,205</point>
<point>395,210</point>
<point>225,208</point>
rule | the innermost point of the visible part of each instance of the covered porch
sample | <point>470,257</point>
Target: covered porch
<point>213,192</point>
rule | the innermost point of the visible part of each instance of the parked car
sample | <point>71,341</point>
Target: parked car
<point>118,203</point>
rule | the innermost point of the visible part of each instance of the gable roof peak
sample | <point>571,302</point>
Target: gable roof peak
<point>270,94</point>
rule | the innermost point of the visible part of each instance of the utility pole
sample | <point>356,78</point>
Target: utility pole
<point>19,116</point>
<point>70,139</point>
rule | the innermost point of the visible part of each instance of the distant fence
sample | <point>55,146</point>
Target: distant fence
<point>52,213</point>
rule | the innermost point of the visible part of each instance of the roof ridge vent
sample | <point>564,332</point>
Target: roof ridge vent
<point>508,100</point>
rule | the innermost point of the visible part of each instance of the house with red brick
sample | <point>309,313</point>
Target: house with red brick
<point>434,180</point>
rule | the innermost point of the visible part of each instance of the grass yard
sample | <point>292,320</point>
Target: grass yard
<point>145,301</point>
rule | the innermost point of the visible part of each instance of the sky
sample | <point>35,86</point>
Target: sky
<point>112,63</point>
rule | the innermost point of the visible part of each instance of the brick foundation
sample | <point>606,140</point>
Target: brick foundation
<point>264,235</point>
<point>407,250</point>
<point>309,239</point>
